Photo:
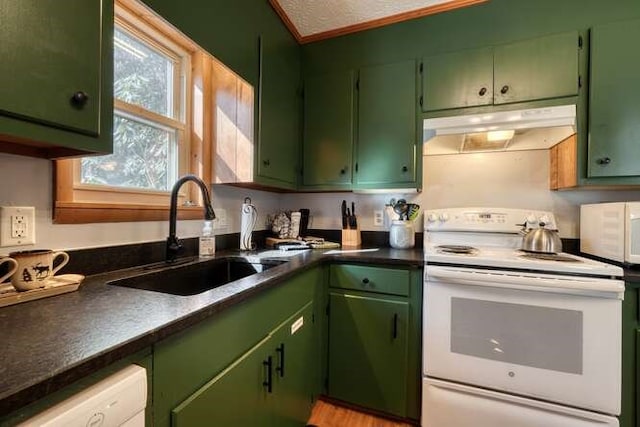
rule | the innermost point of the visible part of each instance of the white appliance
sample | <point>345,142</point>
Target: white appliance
<point>514,338</point>
<point>611,231</point>
<point>117,401</point>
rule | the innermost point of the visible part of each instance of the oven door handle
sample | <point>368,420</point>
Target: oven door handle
<point>607,288</point>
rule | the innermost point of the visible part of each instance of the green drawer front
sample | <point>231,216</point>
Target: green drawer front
<point>370,279</point>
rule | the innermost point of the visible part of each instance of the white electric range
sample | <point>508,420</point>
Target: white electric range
<point>514,338</point>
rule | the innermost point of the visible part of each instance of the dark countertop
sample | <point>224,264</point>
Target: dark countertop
<point>51,343</point>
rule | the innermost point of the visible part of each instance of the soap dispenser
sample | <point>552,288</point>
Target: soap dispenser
<point>207,240</point>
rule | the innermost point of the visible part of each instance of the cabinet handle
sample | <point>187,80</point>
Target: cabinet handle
<point>504,89</point>
<point>603,161</point>
<point>79,99</point>
<point>266,162</point>
<point>395,326</point>
<point>269,382</point>
<point>483,91</point>
<point>404,169</point>
<point>280,367</point>
<point>365,281</point>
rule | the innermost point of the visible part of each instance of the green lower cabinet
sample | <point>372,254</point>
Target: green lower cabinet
<point>368,349</point>
<point>269,385</point>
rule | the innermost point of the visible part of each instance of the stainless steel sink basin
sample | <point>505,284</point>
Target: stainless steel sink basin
<point>194,278</point>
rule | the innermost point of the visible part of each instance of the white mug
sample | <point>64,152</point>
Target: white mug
<point>35,267</point>
<point>11,270</point>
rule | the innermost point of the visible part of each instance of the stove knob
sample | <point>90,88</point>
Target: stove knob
<point>546,220</point>
<point>432,217</point>
<point>444,217</point>
<point>531,219</point>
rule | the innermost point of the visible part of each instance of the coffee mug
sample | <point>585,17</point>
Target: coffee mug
<point>35,267</point>
<point>12,270</point>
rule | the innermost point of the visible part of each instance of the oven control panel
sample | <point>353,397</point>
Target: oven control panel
<point>496,220</point>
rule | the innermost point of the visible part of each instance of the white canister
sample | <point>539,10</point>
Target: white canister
<point>402,234</point>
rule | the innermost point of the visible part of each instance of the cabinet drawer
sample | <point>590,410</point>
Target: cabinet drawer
<point>370,279</point>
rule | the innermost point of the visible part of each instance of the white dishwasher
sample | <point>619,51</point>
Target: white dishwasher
<point>117,401</point>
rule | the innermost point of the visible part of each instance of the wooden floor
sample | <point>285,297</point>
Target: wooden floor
<point>327,415</point>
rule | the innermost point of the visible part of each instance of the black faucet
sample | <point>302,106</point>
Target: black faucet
<point>173,244</point>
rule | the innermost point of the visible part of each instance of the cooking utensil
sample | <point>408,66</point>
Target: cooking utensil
<point>412,211</point>
<point>343,209</point>
<point>401,208</point>
<point>541,240</point>
<point>353,222</point>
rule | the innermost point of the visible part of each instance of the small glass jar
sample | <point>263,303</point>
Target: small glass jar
<point>402,234</point>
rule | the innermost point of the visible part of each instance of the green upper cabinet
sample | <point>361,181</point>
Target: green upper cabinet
<point>531,70</point>
<point>279,116</point>
<point>541,68</point>
<point>328,131</point>
<point>614,101</point>
<point>56,67</point>
<point>458,79</point>
<point>386,154</point>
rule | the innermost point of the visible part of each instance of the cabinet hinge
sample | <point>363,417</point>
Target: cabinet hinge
<point>421,100</point>
<point>580,42</point>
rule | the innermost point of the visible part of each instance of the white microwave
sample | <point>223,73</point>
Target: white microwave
<point>611,231</point>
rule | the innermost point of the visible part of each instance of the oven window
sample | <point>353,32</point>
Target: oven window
<point>540,337</point>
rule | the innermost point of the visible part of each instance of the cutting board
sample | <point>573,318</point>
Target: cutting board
<point>54,286</point>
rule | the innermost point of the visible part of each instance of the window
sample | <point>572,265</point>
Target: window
<point>151,123</point>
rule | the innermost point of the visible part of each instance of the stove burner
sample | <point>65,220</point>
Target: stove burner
<point>548,257</point>
<point>457,249</point>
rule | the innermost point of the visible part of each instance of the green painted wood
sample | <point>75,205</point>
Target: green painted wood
<point>48,64</point>
<point>187,361</point>
<point>236,397</point>
<point>370,279</point>
<point>386,147</point>
<point>367,365</point>
<point>540,68</point>
<point>630,325</point>
<point>458,79</point>
<point>292,346</point>
<point>414,356</point>
<point>614,128</point>
<point>280,107</point>
<point>51,50</point>
<point>328,130</point>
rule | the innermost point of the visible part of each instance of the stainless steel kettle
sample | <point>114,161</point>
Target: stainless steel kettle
<point>541,239</point>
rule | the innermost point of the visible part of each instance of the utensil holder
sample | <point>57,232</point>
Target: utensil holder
<point>351,238</point>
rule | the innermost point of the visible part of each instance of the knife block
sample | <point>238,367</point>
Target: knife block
<point>351,238</point>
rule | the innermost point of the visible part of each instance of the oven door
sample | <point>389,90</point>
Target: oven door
<point>451,404</point>
<point>556,338</point>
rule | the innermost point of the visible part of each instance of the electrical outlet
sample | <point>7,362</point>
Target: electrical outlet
<point>221,218</point>
<point>378,219</point>
<point>17,226</point>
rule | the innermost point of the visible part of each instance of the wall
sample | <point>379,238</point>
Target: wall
<point>518,179</point>
<point>28,182</point>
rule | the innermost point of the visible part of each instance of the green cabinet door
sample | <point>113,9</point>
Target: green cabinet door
<point>387,126</point>
<point>614,101</point>
<point>328,131</point>
<point>279,116</point>
<point>457,80</point>
<point>541,68</point>
<point>368,350</point>
<point>293,346</point>
<point>240,396</point>
<point>51,52</point>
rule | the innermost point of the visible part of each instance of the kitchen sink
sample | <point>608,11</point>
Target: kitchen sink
<point>194,278</point>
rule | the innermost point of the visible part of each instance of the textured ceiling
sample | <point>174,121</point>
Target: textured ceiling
<point>311,17</point>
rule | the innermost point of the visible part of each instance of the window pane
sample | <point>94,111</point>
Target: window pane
<point>142,75</point>
<point>144,156</point>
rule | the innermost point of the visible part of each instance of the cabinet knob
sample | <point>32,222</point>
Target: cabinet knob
<point>266,162</point>
<point>365,281</point>
<point>343,171</point>
<point>504,89</point>
<point>603,161</point>
<point>79,99</point>
<point>483,91</point>
<point>405,169</point>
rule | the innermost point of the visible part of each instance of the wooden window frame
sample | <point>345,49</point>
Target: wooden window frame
<point>76,203</point>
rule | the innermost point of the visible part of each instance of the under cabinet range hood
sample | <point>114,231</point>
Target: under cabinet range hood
<point>536,128</point>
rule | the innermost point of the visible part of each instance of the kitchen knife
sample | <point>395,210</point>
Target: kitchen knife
<point>344,214</point>
<point>353,222</point>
